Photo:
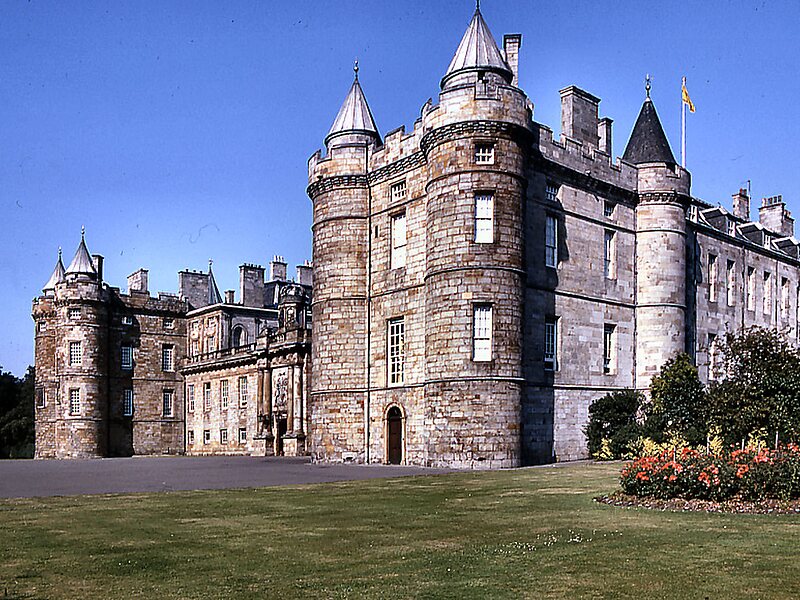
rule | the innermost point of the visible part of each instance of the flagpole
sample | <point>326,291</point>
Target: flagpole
<point>683,126</point>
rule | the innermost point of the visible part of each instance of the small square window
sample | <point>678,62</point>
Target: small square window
<point>190,436</point>
<point>169,323</point>
<point>223,436</point>
<point>398,191</point>
<point>242,435</point>
<point>42,326</point>
<point>206,436</point>
<point>551,192</point>
<point>127,320</point>
<point>608,209</point>
<point>74,313</point>
<point>484,154</point>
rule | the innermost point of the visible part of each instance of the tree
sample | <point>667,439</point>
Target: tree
<point>612,422</point>
<point>679,403</point>
<point>17,429</point>
<point>760,389</point>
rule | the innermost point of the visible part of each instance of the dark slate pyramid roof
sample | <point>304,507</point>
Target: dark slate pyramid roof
<point>477,51</point>
<point>354,116</point>
<point>648,143</point>
<point>213,291</point>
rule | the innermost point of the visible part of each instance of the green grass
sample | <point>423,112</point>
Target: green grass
<point>528,533</point>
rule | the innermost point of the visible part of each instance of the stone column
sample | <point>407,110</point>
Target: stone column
<point>290,399</point>
<point>297,396</point>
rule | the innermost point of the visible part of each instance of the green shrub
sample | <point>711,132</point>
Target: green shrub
<point>612,429</point>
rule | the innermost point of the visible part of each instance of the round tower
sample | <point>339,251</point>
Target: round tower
<point>339,191</point>
<point>663,198</point>
<point>475,142</point>
<point>81,359</point>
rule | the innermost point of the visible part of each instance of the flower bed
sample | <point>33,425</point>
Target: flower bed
<point>750,474</point>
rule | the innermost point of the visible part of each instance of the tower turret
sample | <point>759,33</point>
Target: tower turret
<point>663,196</point>
<point>354,123</point>
<point>56,278</point>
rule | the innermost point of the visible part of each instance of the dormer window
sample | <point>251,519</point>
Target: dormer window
<point>484,154</point>
<point>692,213</point>
<point>731,228</point>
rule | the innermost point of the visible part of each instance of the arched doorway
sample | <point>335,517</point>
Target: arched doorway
<point>394,434</point>
<point>239,336</point>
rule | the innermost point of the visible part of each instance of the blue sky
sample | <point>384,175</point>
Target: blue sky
<point>180,131</point>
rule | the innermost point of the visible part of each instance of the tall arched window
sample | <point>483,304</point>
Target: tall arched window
<point>239,336</point>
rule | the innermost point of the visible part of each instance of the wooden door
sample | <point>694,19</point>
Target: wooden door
<point>395,435</point>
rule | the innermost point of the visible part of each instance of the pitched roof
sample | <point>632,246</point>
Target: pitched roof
<point>477,51</point>
<point>81,263</point>
<point>214,296</point>
<point>56,277</point>
<point>354,116</point>
<point>648,142</point>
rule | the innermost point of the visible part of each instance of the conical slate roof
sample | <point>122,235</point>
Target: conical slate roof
<point>57,276</point>
<point>477,51</point>
<point>354,116</point>
<point>214,296</point>
<point>648,142</point>
<point>81,263</point>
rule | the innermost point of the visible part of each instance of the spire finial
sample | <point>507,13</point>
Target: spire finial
<point>477,6</point>
<point>59,253</point>
<point>83,231</point>
<point>647,85</point>
<point>210,262</point>
<point>355,68</point>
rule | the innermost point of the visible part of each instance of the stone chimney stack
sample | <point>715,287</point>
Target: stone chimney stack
<point>229,297</point>
<point>137,282</point>
<point>277,269</point>
<point>741,205</point>
<point>251,285</point>
<point>774,216</point>
<point>97,259</point>
<point>304,274</point>
<point>604,133</point>
<point>511,44</point>
<point>579,116</point>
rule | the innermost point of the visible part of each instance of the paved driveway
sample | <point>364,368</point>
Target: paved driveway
<point>28,478</point>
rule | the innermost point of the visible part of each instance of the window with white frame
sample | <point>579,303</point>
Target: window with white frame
<point>397,351</point>
<point>40,398</point>
<point>751,288</point>
<point>74,312</point>
<point>609,254</point>
<point>223,436</point>
<point>712,356</point>
<point>206,436</point>
<point>712,277</point>
<point>399,238</point>
<point>242,435</point>
<point>42,326</point>
<point>74,401</point>
<point>730,277</point>
<point>126,358</point>
<point>127,320</point>
<point>551,343</point>
<point>190,397</point>
<point>223,393</point>
<point>551,241</point>
<point>167,355</point>
<point>167,403</point>
<point>692,213</point>
<point>169,323</point>
<point>767,292</point>
<point>785,306</point>
<point>398,191</point>
<point>608,209</point>
<point>207,396</point>
<point>732,227</point>
<point>484,218</point>
<point>194,348</point>
<point>75,354</point>
<point>482,332</point>
<point>242,392</point>
<point>127,403</point>
<point>190,436</point>
<point>551,192</point>
<point>609,348</point>
<point>484,153</point>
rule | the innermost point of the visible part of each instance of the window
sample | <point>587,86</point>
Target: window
<point>551,192</point>
<point>751,288</point>
<point>127,403</point>
<point>194,348</point>
<point>608,209</point>
<point>74,313</point>
<point>239,336</point>
<point>74,401</point>
<point>609,348</point>
<point>730,277</point>
<point>207,396</point>
<point>731,228</point>
<point>242,435</point>
<point>126,357</point>
<point>223,393</point>
<point>40,398</point>
<point>551,242</point>
<point>692,213</point>
<point>397,191</point>
<point>206,436</point>
<point>223,436</point>
<point>169,323</point>
<point>242,392</point>
<point>127,320</point>
<point>190,435</point>
<point>609,255</point>
<point>712,356</point>
<point>785,299</point>
<point>484,218</point>
<point>484,154</point>
<point>767,292</point>
<point>712,278</point>
<point>397,351</point>
<point>482,333</point>
<point>398,250</point>
<point>75,354</point>
<point>167,353</point>
<point>550,343</point>
<point>190,397</point>
<point>167,403</point>
<point>42,326</point>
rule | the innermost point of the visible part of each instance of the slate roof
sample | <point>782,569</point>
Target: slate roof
<point>81,263</point>
<point>56,277</point>
<point>214,296</point>
<point>354,116</point>
<point>478,51</point>
<point>648,142</point>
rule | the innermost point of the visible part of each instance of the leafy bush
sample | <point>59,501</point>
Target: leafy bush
<point>679,403</point>
<point>613,428</point>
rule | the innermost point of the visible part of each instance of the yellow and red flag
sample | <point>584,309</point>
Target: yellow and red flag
<point>685,96</point>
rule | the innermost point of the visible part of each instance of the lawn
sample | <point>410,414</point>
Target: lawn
<point>531,533</point>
